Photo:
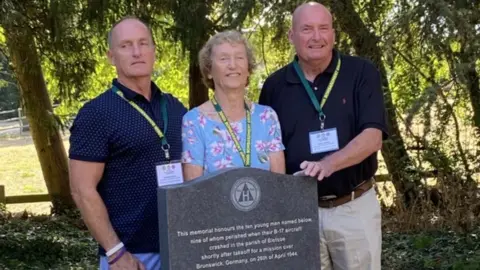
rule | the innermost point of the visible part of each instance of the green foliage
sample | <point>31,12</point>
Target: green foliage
<point>57,30</point>
<point>425,43</point>
<point>374,14</point>
<point>423,242</point>
<point>171,70</point>
<point>2,36</point>
<point>96,83</point>
<point>170,74</point>
<point>9,94</point>
<point>437,39</point>
<point>431,250</point>
<point>101,15</point>
<point>46,243</point>
<point>426,46</point>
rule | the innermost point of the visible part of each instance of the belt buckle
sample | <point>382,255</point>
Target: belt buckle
<point>328,197</point>
<point>330,204</point>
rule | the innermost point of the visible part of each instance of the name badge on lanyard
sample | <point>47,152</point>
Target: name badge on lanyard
<point>169,173</point>
<point>323,140</point>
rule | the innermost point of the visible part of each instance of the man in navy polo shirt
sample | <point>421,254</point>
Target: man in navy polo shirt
<point>117,139</point>
<point>332,115</point>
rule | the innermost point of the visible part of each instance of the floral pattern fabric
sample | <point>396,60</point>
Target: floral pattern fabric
<point>207,142</point>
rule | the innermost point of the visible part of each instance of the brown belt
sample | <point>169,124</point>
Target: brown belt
<point>357,192</point>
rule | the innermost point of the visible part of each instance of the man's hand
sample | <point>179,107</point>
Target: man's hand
<point>127,262</point>
<point>366,143</point>
<point>319,169</point>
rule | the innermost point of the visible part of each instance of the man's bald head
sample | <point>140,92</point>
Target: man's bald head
<point>131,48</point>
<point>309,7</point>
<point>312,33</point>
<point>127,18</point>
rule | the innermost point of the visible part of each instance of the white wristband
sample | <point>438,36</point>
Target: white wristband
<point>114,249</point>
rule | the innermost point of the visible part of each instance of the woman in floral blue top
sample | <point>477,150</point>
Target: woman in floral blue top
<point>228,130</point>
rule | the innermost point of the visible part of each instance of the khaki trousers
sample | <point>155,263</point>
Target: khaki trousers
<point>350,234</point>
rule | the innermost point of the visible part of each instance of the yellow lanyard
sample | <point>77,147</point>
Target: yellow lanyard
<point>309,90</point>
<point>245,155</point>
<point>163,105</point>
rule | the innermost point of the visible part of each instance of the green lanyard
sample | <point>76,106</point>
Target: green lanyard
<point>245,156</point>
<point>163,105</point>
<point>309,90</point>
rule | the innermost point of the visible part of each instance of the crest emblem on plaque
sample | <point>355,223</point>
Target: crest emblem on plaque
<point>245,194</point>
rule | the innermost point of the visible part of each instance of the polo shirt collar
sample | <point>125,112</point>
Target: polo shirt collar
<point>292,76</point>
<point>130,94</point>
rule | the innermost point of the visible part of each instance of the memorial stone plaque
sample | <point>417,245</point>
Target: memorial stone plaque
<point>242,218</point>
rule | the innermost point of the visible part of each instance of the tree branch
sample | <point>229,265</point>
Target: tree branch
<point>4,54</point>
<point>263,50</point>
<point>6,74</point>
<point>457,136</point>
<point>215,22</point>
<point>262,16</point>
<point>238,21</point>
<point>410,63</point>
<point>449,108</point>
<point>8,82</point>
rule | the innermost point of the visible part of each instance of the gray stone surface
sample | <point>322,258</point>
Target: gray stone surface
<point>240,218</point>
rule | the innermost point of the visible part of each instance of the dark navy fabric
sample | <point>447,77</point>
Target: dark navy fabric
<point>108,129</point>
<point>354,104</point>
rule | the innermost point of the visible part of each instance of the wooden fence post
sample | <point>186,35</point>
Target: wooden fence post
<point>20,120</point>
<point>3,198</point>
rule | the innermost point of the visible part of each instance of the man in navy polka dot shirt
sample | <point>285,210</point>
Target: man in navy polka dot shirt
<point>115,144</point>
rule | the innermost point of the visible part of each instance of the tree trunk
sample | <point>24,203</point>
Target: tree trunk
<point>198,92</point>
<point>45,134</point>
<point>394,152</point>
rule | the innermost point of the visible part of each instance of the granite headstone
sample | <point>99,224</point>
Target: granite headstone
<point>241,218</point>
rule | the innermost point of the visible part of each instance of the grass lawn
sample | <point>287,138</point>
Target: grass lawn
<point>21,173</point>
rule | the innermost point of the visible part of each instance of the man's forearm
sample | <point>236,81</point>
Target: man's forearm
<point>96,218</point>
<point>366,143</point>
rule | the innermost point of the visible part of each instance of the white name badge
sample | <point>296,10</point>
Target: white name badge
<point>323,141</point>
<point>169,173</point>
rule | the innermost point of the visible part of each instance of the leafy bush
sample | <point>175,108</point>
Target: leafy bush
<point>431,250</point>
<point>44,242</point>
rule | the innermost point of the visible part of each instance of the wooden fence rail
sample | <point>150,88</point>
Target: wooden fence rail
<point>20,120</point>
<point>33,198</point>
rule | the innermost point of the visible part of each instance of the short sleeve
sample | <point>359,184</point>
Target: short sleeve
<point>193,144</point>
<point>89,136</point>
<point>371,107</point>
<point>274,137</point>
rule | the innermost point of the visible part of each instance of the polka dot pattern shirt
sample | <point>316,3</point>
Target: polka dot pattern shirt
<point>108,129</point>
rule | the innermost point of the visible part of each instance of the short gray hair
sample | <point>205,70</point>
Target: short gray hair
<point>205,54</point>
<point>109,36</point>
